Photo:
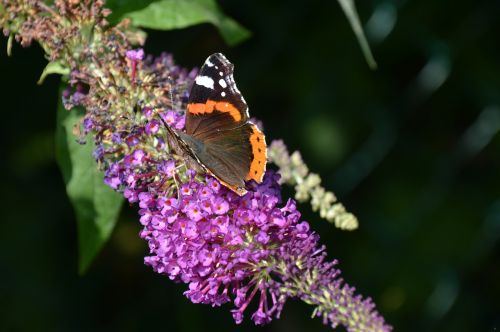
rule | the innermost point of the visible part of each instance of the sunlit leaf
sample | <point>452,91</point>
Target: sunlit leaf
<point>177,14</point>
<point>96,206</point>
<point>121,7</point>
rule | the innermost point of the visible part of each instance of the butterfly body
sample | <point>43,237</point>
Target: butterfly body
<point>219,136</point>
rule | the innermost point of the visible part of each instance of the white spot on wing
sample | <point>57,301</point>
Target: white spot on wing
<point>222,83</point>
<point>208,63</point>
<point>223,94</point>
<point>205,81</point>
<point>221,73</point>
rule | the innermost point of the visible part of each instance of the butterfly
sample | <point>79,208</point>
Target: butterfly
<point>219,136</point>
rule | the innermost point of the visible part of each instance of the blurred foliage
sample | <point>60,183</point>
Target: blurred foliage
<point>350,11</point>
<point>411,149</point>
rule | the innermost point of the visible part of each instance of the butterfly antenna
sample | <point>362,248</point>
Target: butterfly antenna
<point>170,137</point>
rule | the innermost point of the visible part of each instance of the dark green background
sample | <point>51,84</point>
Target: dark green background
<point>412,149</point>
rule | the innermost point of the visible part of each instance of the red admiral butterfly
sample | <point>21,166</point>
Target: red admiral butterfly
<point>219,136</point>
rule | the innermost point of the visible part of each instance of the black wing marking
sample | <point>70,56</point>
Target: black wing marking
<point>214,87</point>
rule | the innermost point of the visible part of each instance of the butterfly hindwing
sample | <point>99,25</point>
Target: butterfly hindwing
<point>236,156</point>
<point>259,154</point>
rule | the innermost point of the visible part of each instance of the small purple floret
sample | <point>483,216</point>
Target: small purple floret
<point>135,55</point>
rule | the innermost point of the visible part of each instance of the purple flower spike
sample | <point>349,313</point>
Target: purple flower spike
<point>252,250</point>
<point>220,243</point>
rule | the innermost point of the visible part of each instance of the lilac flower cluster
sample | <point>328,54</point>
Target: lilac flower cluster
<point>227,247</point>
<point>138,172</point>
<point>223,246</point>
<point>218,242</point>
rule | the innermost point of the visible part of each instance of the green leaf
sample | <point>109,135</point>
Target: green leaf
<point>352,15</point>
<point>121,7</point>
<point>96,205</point>
<point>177,14</point>
<point>53,67</point>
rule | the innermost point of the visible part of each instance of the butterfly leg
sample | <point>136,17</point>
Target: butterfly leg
<point>177,180</point>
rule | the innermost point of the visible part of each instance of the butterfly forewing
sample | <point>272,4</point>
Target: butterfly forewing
<point>214,96</point>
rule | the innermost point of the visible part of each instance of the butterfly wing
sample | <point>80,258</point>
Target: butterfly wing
<point>225,143</point>
<point>236,156</point>
<point>215,102</point>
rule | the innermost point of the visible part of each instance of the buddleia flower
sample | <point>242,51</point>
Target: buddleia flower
<point>224,247</point>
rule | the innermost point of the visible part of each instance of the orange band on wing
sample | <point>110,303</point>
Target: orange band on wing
<point>227,107</point>
<point>259,155</point>
<point>196,108</point>
<point>211,105</point>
